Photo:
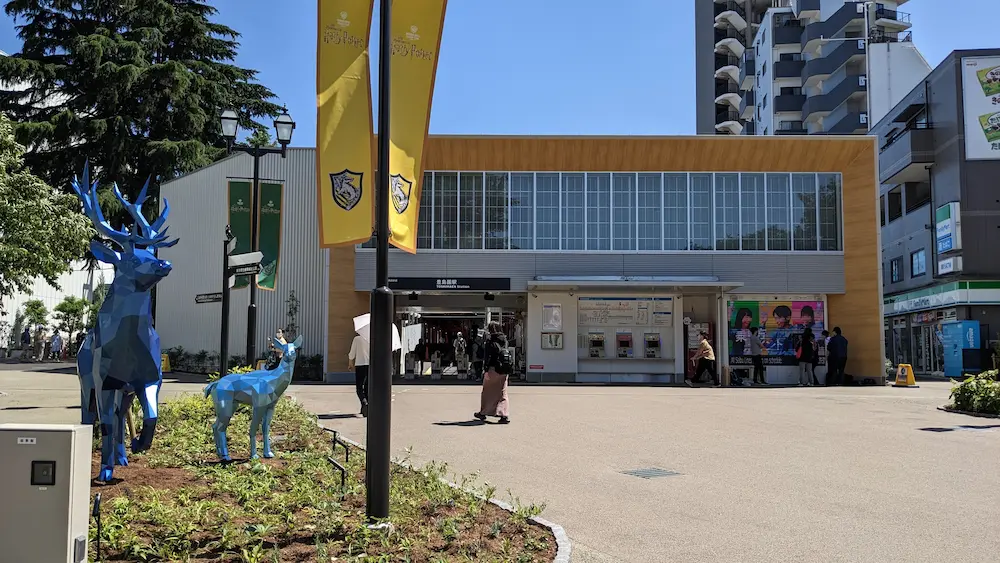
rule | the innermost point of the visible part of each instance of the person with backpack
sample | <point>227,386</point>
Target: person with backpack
<point>498,361</point>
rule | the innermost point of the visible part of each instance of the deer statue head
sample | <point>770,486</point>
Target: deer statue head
<point>134,261</point>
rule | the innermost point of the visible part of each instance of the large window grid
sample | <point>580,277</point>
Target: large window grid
<point>630,212</point>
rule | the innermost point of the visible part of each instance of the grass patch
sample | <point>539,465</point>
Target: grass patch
<point>176,503</point>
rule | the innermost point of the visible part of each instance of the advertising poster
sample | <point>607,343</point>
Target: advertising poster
<point>981,97</point>
<point>780,326</point>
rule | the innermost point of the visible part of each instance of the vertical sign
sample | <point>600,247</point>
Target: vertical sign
<point>948,228</point>
<point>239,221</point>
<point>981,100</point>
<point>269,233</point>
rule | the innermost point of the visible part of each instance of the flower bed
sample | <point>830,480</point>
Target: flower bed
<point>177,503</point>
<point>979,394</point>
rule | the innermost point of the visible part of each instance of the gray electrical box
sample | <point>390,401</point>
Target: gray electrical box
<point>45,487</point>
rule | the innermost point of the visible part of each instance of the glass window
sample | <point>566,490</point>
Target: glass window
<point>547,211</point>
<point>650,225</point>
<point>522,210</point>
<point>896,270</point>
<point>623,211</point>
<point>804,211</point>
<point>778,214</point>
<point>918,263</point>
<point>470,216</point>
<point>727,211</point>
<point>573,224</point>
<point>425,226</point>
<point>675,213</point>
<point>598,212</point>
<point>701,212</point>
<point>752,203</point>
<point>895,199</point>
<point>446,210</point>
<point>496,211</point>
<point>829,212</point>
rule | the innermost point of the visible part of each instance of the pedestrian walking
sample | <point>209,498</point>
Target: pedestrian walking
<point>56,346</point>
<point>756,352</point>
<point>837,356</point>
<point>704,360</point>
<point>499,363</point>
<point>805,354</point>
<point>358,360</point>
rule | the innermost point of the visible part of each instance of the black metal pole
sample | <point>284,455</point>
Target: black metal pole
<point>380,384</point>
<point>224,343</point>
<point>254,217</point>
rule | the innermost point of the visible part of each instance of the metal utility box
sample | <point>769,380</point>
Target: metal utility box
<point>45,487</point>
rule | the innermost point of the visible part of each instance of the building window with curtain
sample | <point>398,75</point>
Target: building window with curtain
<point>547,211</point>
<point>623,211</point>
<point>446,210</point>
<point>598,212</point>
<point>675,212</point>
<point>496,211</point>
<point>470,217</point>
<point>804,211</point>
<point>522,211</point>
<point>573,223</point>
<point>778,212</point>
<point>727,211</point>
<point>701,212</point>
<point>752,203</point>
<point>829,212</point>
<point>650,225</point>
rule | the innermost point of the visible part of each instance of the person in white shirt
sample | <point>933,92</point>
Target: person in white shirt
<point>56,346</point>
<point>358,360</point>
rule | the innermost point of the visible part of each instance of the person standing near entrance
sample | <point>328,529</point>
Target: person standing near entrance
<point>499,364</point>
<point>358,360</point>
<point>705,361</point>
<point>805,353</point>
<point>756,352</point>
<point>836,351</point>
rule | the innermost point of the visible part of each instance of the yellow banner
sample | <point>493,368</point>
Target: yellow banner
<point>344,177</point>
<point>416,39</point>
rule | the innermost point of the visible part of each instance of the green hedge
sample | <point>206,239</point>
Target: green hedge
<point>978,394</point>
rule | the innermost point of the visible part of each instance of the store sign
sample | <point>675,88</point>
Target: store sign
<point>949,265</point>
<point>924,302</point>
<point>981,96</point>
<point>948,228</point>
<point>449,284</point>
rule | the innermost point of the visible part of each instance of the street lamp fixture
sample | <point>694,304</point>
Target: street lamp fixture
<point>283,127</point>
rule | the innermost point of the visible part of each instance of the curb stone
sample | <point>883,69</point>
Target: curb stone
<point>946,408</point>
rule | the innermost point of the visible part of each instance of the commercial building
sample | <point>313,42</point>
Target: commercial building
<point>939,160</point>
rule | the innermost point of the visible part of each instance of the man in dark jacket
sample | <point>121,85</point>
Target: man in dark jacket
<point>836,357</point>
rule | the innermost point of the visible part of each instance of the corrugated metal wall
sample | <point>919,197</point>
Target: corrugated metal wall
<point>78,282</point>
<point>761,272</point>
<point>198,215</point>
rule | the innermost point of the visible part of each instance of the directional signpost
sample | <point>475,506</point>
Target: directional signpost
<point>232,266</point>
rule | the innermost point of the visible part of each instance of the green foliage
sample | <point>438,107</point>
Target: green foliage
<point>240,369</point>
<point>136,87</point>
<point>95,306</point>
<point>978,394</point>
<point>35,312</point>
<point>70,313</point>
<point>16,329</point>
<point>41,231</point>
<point>260,138</point>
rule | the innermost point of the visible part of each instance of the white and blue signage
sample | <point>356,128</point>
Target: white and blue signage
<point>955,338</point>
<point>947,228</point>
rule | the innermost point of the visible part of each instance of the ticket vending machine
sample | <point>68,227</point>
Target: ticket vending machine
<point>596,343</point>
<point>624,344</point>
<point>652,340</point>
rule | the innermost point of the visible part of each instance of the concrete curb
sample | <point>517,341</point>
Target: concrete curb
<point>563,545</point>
<point>946,408</point>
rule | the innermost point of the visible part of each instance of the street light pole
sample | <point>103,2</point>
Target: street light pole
<point>380,384</point>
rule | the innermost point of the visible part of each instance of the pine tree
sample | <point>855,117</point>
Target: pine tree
<point>135,86</point>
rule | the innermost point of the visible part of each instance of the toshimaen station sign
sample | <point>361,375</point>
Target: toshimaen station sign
<point>449,284</point>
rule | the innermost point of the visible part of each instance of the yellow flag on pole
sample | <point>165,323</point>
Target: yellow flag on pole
<point>344,177</point>
<point>416,39</point>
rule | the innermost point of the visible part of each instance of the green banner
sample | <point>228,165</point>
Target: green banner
<point>239,222</point>
<point>269,233</point>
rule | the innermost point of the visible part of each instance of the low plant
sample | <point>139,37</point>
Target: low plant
<point>238,369</point>
<point>978,394</point>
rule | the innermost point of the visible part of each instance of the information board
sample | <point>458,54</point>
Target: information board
<point>625,311</point>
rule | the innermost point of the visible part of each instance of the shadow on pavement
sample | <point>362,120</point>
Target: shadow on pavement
<point>20,408</point>
<point>962,427</point>
<point>463,423</point>
<point>337,416</point>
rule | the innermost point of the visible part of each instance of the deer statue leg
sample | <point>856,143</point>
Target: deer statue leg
<point>85,370</point>
<point>148,397</point>
<point>223,413</point>
<point>268,415</point>
<point>258,414</point>
<point>121,458</point>
<point>107,408</point>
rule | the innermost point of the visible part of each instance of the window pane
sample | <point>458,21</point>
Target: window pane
<point>675,215</point>
<point>446,210</point>
<point>727,211</point>
<point>701,212</point>
<point>573,224</point>
<point>496,211</point>
<point>829,212</point>
<point>778,214</point>
<point>623,219</point>
<point>522,210</point>
<point>547,211</point>
<point>598,212</point>
<point>425,225</point>
<point>752,203</point>
<point>470,197</point>
<point>650,225</point>
<point>804,211</point>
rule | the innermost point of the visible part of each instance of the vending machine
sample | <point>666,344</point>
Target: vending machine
<point>623,340</point>
<point>692,339</point>
<point>652,340</point>
<point>596,344</point>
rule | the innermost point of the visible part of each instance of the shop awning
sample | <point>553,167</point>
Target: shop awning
<point>657,283</point>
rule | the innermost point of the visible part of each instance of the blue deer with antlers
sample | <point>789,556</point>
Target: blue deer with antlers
<point>120,357</point>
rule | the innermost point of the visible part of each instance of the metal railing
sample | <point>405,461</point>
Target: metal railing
<point>899,133</point>
<point>730,33</point>
<point>725,87</point>
<point>731,115</point>
<point>890,14</point>
<point>721,7</point>
<point>891,36</point>
<point>726,60</point>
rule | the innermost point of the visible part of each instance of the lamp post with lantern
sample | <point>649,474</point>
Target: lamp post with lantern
<point>283,126</point>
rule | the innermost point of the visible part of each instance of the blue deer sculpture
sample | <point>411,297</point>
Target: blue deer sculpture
<point>120,357</point>
<point>261,390</point>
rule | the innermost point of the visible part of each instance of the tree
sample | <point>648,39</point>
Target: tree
<point>15,336</point>
<point>71,312</point>
<point>35,312</point>
<point>95,306</point>
<point>135,87</point>
<point>260,138</point>
<point>41,231</point>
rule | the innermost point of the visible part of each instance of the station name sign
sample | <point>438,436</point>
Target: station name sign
<point>449,284</point>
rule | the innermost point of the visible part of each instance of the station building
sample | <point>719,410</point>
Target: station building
<point>602,257</point>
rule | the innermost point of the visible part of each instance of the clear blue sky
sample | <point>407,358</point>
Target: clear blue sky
<point>547,66</point>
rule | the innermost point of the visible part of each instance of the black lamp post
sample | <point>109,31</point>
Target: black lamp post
<point>283,126</point>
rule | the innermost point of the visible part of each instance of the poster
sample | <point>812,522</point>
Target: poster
<point>269,233</point>
<point>239,222</point>
<point>780,326</point>
<point>552,317</point>
<point>981,100</point>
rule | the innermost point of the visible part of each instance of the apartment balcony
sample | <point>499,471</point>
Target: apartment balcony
<point>790,128</point>
<point>892,19</point>
<point>747,104</point>
<point>728,121</point>
<point>727,67</point>
<point>821,68</point>
<point>854,123</point>
<point>891,37</point>
<point>806,8</point>
<point>750,128</point>
<point>730,41</point>
<point>730,14</point>
<point>906,154</point>
<point>788,34</point>
<point>748,66</point>
<point>819,106</point>
<point>788,69</point>
<point>784,103</point>
<point>726,92</point>
<point>850,13</point>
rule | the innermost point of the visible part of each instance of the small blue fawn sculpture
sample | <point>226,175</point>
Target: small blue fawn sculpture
<point>261,390</point>
<point>120,357</point>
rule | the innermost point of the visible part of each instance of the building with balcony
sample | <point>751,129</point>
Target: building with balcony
<point>939,160</point>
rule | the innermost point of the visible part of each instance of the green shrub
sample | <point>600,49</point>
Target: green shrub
<point>238,369</point>
<point>979,394</point>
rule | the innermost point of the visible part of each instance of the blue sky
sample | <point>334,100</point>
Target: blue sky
<point>547,66</point>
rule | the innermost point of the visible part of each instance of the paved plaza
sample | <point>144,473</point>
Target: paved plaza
<point>791,474</point>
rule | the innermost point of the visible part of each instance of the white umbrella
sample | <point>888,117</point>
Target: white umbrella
<point>363,326</point>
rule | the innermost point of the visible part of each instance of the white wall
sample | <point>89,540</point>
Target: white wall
<point>765,83</point>
<point>554,361</point>
<point>894,70</point>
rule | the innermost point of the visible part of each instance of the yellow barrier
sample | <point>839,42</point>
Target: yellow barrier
<point>164,363</point>
<point>904,376</point>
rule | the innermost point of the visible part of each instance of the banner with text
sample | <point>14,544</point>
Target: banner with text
<point>239,222</point>
<point>416,39</point>
<point>780,326</point>
<point>269,233</point>
<point>344,123</point>
<point>981,106</point>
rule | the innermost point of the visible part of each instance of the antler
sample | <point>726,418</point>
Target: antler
<point>145,234</point>
<point>87,193</point>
